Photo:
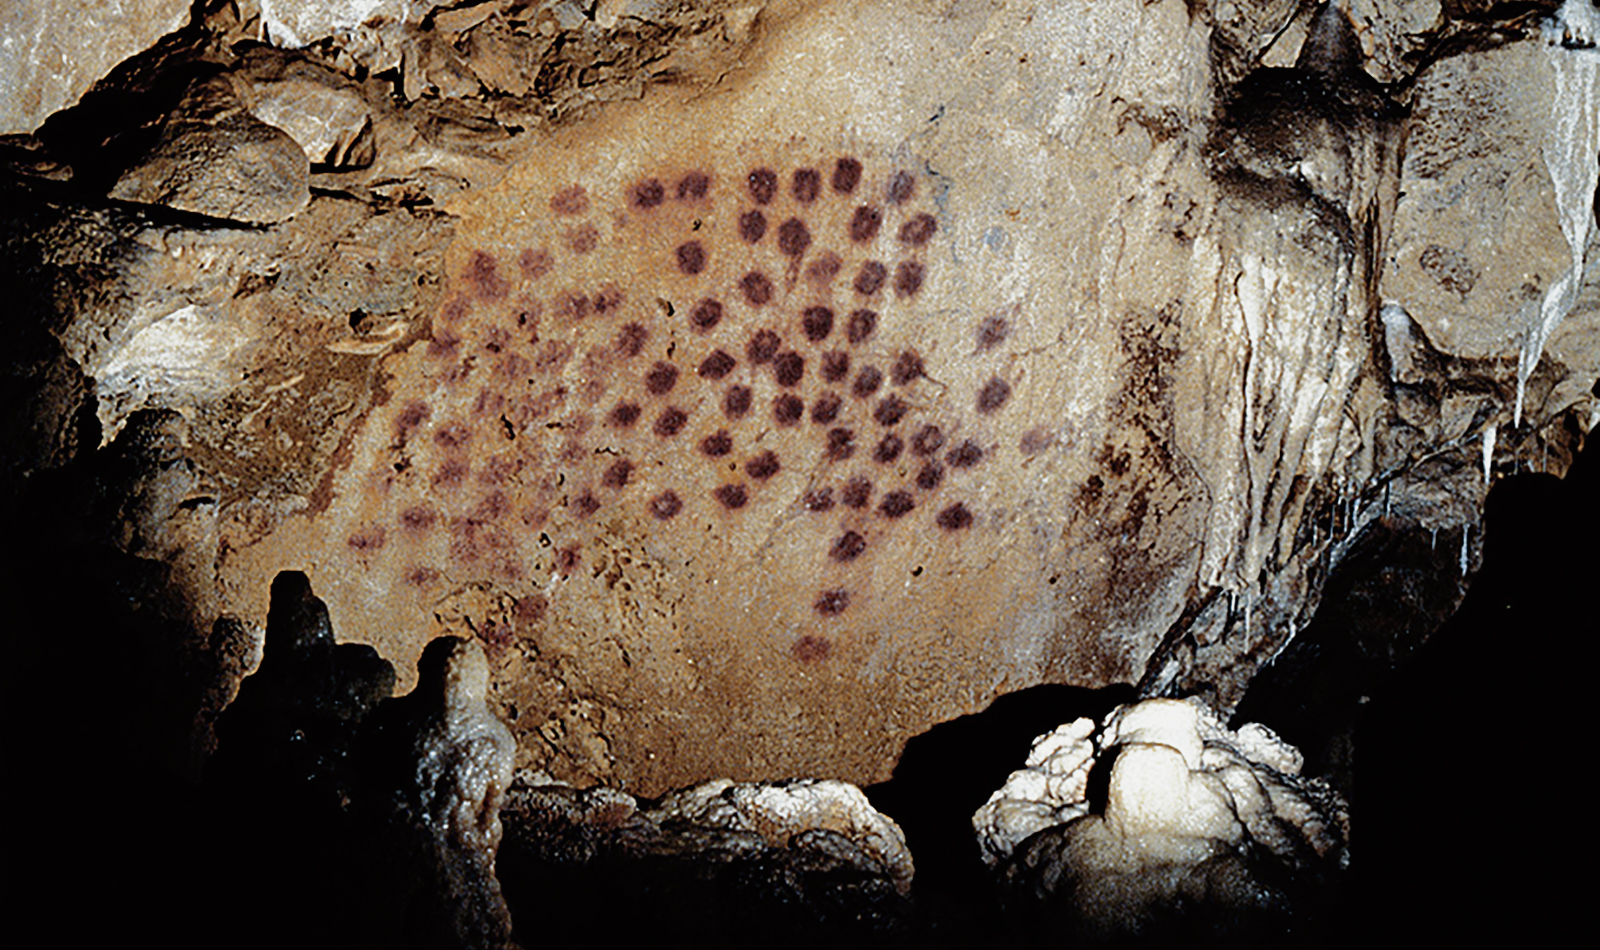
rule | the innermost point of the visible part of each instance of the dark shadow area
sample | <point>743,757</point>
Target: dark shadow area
<point>945,775</point>
<point>1468,761</point>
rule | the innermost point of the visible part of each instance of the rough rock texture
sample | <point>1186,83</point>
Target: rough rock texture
<point>1202,827</point>
<point>761,385</point>
<point>781,862</point>
<point>439,763</point>
<point>215,158</point>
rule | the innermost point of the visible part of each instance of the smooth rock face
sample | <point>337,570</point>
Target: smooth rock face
<point>51,53</point>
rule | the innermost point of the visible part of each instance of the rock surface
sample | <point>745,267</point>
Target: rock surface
<point>1064,346</point>
<point>784,862</point>
<point>1202,827</point>
<point>46,63</point>
<point>215,158</point>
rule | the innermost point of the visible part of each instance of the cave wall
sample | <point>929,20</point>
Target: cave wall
<point>1170,305</point>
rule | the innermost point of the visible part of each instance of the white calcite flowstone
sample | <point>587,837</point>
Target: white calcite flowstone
<point>1198,819</point>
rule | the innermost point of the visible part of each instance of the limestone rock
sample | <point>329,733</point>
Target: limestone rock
<point>439,763</point>
<point>778,861</point>
<point>52,53</point>
<point>1051,790</point>
<point>322,111</point>
<point>216,159</point>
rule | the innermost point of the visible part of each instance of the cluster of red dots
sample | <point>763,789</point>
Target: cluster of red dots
<point>784,319</point>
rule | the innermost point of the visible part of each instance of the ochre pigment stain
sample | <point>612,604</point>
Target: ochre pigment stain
<point>705,351</point>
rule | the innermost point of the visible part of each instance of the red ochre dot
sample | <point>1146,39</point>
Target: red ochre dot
<point>693,186</point>
<point>763,346</point>
<point>918,230</point>
<point>870,278</point>
<point>570,201</point>
<point>848,547</point>
<point>535,263</point>
<point>608,299</point>
<point>907,278</point>
<point>624,414</point>
<point>586,504</point>
<point>955,517</point>
<point>731,497</point>
<point>661,378</point>
<point>907,366</point>
<point>567,559</point>
<point>931,475</point>
<point>736,401</point>
<point>902,187</point>
<point>896,503</point>
<point>888,449</point>
<point>631,339</point>
<point>811,649</point>
<point>717,365</point>
<point>787,409</point>
<point>369,538</point>
<point>691,257</point>
<point>826,408</point>
<point>841,444</point>
<point>846,175</point>
<point>806,185</point>
<point>618,474</point>
<point>831,603</point>
<point>824,268</point>
<point>965,455</point>
<point>817,323</point>
<point>421,576</point>
<point>647,194</point>
<point>793,237</point>
<point>856,493</point>
<point>444,344</point>
<point>493,507</point>
<point>864,224</point>
<point>483,274</point>
<point>582,239</point>
<point>706,314</point>
<point>788,368</point>
<point>928,440</point>
<point>763,184</point>
<point>835,365</point>
<point>752,226</point>
<point>763,466</point>
<point>414,414</point>
<point>818,499</point>
<point>666,505</point>
<point>861,326</point>
<point>452,473</point>
<point>868,381</point>
<point>453,435</point>
<point>670,422</point>
<point>717,444</point>
<point>992,331</point>
<point>757,289</point>
<point>572,306</point>
<point>993,395</point>
<point>418,518</point>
